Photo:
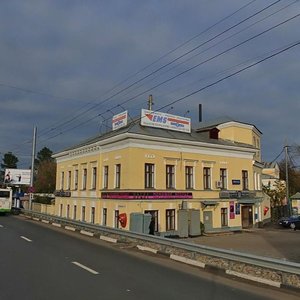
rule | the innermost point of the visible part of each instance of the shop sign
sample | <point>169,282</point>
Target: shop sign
<point>119,120</point>
<point>166,121</point>
<point>62,193</point>
<point>236,181</point>
<point>146,195</point>
<point>236,194</point>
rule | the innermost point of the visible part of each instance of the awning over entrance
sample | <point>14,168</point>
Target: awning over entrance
<point>249,201</point>
<point>210,202</point>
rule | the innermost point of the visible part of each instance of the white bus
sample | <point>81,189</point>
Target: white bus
<point>5,200</point>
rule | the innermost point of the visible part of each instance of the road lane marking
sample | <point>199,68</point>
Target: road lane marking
<point>84,267</point>
<point>1,226</point>
<point>25,238</point>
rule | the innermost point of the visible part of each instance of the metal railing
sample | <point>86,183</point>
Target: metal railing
<point>264,262</point>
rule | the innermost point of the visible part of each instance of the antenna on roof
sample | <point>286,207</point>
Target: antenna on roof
<point>150,102</point>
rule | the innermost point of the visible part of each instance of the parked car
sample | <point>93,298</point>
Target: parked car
<point>295,224</point>
<point>288,221</point>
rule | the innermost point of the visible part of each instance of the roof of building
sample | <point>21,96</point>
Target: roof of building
<point>135,127</point>
<point>270,165</point>
<point>296,196</point>
<point>222,120</point>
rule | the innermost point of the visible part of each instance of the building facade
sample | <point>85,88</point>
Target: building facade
<point>214,170</point>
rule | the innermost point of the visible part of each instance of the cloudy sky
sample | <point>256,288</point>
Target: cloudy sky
<point>67,66</point>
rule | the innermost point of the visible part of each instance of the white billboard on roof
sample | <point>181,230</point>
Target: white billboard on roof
<point>165,121</point>
<point>17,176</point>
<point>119,120</point>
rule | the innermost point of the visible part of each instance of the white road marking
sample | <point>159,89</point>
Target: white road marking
<point>1,226</point>
<point>84,267</point>
<point>25,238</point>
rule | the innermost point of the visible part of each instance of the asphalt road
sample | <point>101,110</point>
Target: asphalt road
<point>39,262</point>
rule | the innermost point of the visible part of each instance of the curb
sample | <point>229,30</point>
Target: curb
<point>254,278</point>
<point>108,239</point>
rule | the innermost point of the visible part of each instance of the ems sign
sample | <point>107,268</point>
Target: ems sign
<point>165,121</point>
<point>119,120</point>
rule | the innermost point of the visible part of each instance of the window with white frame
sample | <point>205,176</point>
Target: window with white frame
<point>84,178</point>
<point>61,210</point>
<point>69,180</point>
<point>94,178</point>
<point>223,178</point>
<point>118,176</point>
<point>189,177</point>
<point>105,177</point>
<point>104,216</point>
<point>93,215</point>
<point>245,180</point>
<point>170,219</point>
<point>68,211</point>
<point>76,179</point>
<point>62,179</point>
<point>83,213</point>
<point>149,175</point>
<point>224,217</point>
<point>207,178</point>
<point>170,176</point>
<point>116,218</point>
<point>75,212</point>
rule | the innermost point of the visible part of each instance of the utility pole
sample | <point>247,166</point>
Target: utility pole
<point>32,166</point>
<point>150,102</point>
<point>287,178</point>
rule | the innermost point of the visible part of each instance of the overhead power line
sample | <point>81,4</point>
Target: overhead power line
<point>282,50</point>
<point>169,63</point>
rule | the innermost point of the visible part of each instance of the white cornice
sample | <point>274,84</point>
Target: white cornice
<point>133,140</point>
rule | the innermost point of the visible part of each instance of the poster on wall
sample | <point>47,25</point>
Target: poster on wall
<point>17,176</point>
<point>231,210</point>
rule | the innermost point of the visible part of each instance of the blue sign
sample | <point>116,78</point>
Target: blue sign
<point>236,181</point>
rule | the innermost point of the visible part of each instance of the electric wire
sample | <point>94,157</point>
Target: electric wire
<point>165,65</point>
<point>286,48</point>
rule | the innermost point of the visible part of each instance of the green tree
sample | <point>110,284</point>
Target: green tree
<point>293,176</point>
<point>44,154</point>
<point>9,161</point>
<point>45,177</point>
<point>45,172</point>
<point>277,194</point>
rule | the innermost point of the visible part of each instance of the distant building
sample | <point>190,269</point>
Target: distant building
<point>296,204</point>
<point>270,174</point>
<point>214,171</point>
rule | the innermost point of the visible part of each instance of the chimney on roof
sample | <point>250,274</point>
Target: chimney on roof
<point>200,113</point>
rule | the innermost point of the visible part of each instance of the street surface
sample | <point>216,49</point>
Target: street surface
<point>40,262</point>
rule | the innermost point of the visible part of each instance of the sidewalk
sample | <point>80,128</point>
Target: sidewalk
<point>269,242</point>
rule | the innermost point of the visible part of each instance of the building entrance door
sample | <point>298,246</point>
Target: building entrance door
<point>207,216</point>
<point>247,216</point>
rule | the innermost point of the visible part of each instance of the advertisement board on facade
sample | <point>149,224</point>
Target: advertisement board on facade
<point>165,121</point>
<point>17,176</point>
<point>119,120</point>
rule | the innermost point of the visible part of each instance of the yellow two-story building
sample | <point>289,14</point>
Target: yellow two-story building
<point>214,171</point>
